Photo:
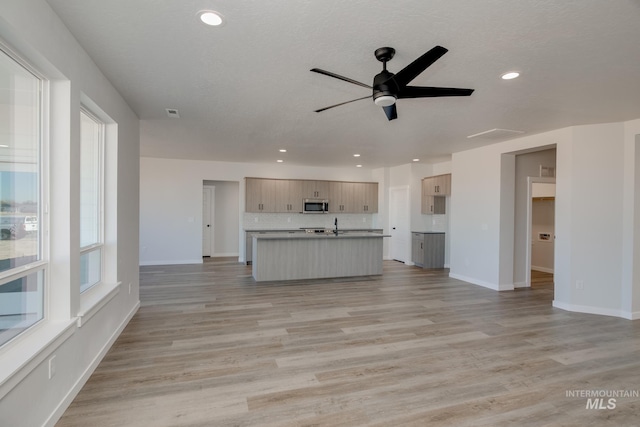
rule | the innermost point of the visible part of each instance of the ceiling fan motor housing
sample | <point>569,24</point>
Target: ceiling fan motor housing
<point>384,86</point>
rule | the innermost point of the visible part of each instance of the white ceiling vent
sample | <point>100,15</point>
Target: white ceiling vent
<point>173,113</point>
<point>497,134</point>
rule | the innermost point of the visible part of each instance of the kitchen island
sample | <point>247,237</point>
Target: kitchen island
<point>287,256</point>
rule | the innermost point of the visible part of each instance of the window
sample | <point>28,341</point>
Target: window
<point>91,200</point>
<point>22,269</point>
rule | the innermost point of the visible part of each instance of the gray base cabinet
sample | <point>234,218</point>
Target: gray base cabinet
<point>427,249</point>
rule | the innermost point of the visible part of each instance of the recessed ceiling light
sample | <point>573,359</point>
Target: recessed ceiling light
<point>356,155</point>
<point>282,150</point>
<point>416,160</point>
<point>358,166</point>
<point>279,161</point>
<point>210,17</point>
<point>510,75</point>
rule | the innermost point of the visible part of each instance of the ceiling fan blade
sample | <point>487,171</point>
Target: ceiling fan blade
<point>342,103</point>
<point>391,112</point>
<point>431,92</point>
<point>411,71</point>
<point>337,76</point>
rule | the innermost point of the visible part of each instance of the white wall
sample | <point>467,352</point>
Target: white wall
<point>29,397</point>
<point>595,154</point>
<point>171,202</point>
<point>592,175</point>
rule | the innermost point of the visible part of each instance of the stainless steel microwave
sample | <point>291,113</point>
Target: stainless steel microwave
<point>315,206</point>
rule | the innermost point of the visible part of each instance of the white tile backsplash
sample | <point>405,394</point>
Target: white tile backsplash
<point>439,223</point>
<point>280,221</point>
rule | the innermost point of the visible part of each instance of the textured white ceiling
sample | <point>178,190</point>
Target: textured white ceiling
<point>244,90</point>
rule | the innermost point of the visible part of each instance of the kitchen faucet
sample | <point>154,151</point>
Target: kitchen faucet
<point>336,223</point>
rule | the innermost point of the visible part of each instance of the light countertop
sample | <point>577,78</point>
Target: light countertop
<point>351,235</point>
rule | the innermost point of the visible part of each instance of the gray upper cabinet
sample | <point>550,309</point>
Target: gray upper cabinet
<point>433,205</point>
<point>434,191</point>
<point>260,195</point>
<point>439,185</point>
<point>370,197</point>
<point>286,195</point>
<point>365,197</point>
<point>340,196</point>
<point>353,197</point>
<point>315,189</point>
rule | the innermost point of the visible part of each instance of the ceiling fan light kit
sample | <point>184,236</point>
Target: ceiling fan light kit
<point>388,87</point>
<point>385,100</point>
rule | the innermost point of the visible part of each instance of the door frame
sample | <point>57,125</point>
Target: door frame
<point>530,181</point>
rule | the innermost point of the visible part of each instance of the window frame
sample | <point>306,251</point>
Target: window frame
<point>42,264</point>
<point>100,244</point>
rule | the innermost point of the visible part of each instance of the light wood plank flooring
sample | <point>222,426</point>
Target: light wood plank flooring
<point>210,347</point>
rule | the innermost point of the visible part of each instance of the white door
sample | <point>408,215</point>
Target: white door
<point>207,220</point>
<point>399,223</point>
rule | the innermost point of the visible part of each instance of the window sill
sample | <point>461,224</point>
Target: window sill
<point>19,359</point>
<point>94,299</point>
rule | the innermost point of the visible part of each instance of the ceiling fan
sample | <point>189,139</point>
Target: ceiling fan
<point>388,87</point>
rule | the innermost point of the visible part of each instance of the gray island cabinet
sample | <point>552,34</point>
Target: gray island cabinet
<point>287,256</point>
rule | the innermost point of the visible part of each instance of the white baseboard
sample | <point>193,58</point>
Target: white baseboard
<point>520,285</point>
<point>172,262</point>
<point>494,286</point>
<point>68,398</point>
<point>597,310</point>
<point>542,269</point>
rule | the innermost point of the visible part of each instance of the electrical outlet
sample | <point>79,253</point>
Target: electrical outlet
<point>52,366</point>
<point>579,284</point>
<point>364,219</point>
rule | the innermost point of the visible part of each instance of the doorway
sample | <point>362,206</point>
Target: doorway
<point>208,208</point>
<point>540,231</point>
<point>399,224</point>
